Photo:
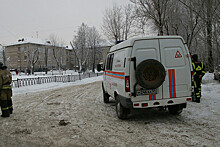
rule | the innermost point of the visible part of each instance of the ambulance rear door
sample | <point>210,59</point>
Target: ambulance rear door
<point>175,58</point>
<point>143,50</point>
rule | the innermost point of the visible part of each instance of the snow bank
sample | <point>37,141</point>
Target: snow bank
<point>54,85</point>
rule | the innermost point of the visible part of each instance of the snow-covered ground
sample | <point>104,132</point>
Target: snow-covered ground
<point>54,85</point>
<point>73,114</point>
<point>42,74</point>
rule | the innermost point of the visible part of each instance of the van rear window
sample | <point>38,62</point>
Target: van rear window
<point>109,62</point>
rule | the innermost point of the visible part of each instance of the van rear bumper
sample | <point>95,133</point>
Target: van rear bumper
<point>163,102</point>
<point>127,103</point>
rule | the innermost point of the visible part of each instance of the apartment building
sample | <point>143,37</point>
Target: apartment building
<point>40,55</point>
<point>34,54</point>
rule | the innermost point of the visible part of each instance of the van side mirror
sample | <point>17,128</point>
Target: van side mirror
<point>99,67</point>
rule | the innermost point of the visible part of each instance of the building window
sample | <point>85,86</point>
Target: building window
<point>19,49</point>
<point>25,57</point>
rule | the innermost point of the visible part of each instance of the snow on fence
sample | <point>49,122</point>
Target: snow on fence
<point>41,80</point>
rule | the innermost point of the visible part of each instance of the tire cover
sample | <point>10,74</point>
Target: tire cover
<point>150,74</point>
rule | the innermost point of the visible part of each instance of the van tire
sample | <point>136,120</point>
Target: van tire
<point>121,111</point>
<point>105,95</point>
<point>150,74</point>
<point>175,109</point>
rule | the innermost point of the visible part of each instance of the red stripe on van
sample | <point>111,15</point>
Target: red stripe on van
<point>174,83</point>
<point>170,83</point>
<point>115,76</point>
<point>113,72</point>
<point>155,97</point>
<point>152,97</point>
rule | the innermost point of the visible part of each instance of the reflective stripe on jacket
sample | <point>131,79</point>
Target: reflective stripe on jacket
<point>198,68</point>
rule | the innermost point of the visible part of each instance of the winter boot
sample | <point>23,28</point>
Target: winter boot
<point>198,100</point>
<point>193,97</point>
<point>5,113</point>
<point>5,110</point>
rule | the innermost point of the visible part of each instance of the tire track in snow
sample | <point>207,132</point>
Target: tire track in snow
<point>94,123</point>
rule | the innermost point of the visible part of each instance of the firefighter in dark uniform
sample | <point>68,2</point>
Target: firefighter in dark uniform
<point>199,72</point>
<point>5,91</point>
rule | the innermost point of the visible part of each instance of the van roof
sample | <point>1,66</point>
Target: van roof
<point>130,42</point>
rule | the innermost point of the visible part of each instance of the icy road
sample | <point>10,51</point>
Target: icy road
<point>77,116</point>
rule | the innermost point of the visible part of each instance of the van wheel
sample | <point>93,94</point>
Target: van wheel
<point>150,74</point>
<point>175,109</point>
<point>121,111</point>
<point>105,97</point>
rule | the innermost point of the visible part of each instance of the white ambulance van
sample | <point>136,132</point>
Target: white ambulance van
<point>148,72</point>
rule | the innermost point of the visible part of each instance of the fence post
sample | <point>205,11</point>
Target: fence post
<point>79,76</point>
<point>38,80</point>
<point>55,78</point>
<point>18,82</point>
<point>68,78</point>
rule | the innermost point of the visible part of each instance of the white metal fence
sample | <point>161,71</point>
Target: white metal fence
<point>41,80</point>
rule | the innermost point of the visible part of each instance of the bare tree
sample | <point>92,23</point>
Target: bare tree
<point>128,22</point>
<point>183,21</point>
<point>32,54</point>
<point>207,14</point>
<point>155,10</point>
<point>216,38</point>
<point>2,54</point>
<point>58,51</point>
<point>118,22</point>
<point>46,59</point>
<point>112,23</point>
<point>80,46</point>
<point>94,40</point>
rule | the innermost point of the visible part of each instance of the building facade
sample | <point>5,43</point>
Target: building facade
<point>38,55</point>
<point>100,55</point>
<point>34,54</point>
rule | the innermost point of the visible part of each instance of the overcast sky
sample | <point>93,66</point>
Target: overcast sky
<point>24,18</point>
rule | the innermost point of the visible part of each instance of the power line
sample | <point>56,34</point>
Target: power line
<point>8,30</point>
<point>38,31</point>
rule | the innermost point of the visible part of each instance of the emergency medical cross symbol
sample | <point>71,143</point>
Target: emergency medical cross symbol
<point>178,55</point>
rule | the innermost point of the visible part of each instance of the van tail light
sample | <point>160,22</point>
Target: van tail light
<point>144,104</point>
<point>127,84</point>
<point>189,99</point>
<point>192,79</point>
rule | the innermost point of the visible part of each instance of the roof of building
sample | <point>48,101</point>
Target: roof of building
<point>69,47</point>
<point>31,41</point>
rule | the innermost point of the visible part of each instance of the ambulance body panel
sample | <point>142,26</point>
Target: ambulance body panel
<point>164,81</point>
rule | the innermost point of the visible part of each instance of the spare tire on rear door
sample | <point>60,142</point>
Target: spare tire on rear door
<point>150,74</point>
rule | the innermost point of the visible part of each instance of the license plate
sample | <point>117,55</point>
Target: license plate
<point>146,92</point>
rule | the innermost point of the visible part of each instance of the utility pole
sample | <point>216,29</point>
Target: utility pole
<point>37,34</point>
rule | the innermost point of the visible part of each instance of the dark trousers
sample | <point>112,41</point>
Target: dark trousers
<point>197,88</point>
<point>6,102</point>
